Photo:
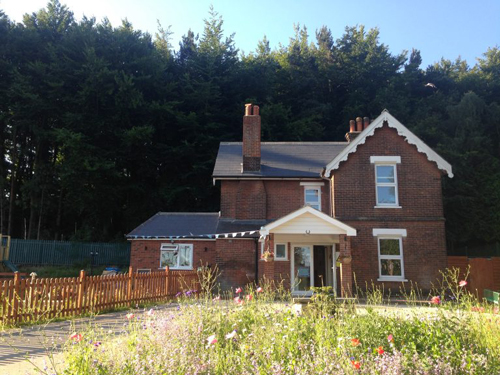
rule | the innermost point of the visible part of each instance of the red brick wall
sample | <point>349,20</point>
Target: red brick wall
<point>419,180</point>
<point>424,252</point>
<point>269,200</point>
<point>146,253</point>
<point>420,196</point>
<point>280,268</point>
<point>236,261</point>
<point>251,200</point>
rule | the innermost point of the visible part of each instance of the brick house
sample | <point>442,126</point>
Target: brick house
<point>319,213</point>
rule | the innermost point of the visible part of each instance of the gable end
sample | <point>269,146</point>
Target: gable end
<point>386,118</point>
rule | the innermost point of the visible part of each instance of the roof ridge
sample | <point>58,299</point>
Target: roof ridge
<point>292,143</point>
<point>187,213</point>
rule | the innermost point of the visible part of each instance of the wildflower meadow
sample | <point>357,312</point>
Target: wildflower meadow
<point>259,330</point>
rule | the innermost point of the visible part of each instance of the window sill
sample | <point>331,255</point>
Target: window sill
<point>275,260</point>
<point>387,207</point>
<point>393,280</point>
<point>177,269</point>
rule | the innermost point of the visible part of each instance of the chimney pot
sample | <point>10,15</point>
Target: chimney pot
<point>255,110</point>
<point>248,109</point>
<point>359,124</point>
<point>352,126</point>
<point>366,122</point>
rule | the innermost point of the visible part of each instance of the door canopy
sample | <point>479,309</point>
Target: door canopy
<point>307,220</point>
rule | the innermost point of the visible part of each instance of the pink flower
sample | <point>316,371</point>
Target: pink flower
<point>239,290</point>
<point>238,300</point>
<point>259,290</point>
<point>76,337</point>
<point>462,283</point>
<point>130,316</point>
<point>150,312</point>
<point>249,297</point>
<point>477,309</point>
<point>390,338</point>
<point>211,340</point>
<point>436,300</point>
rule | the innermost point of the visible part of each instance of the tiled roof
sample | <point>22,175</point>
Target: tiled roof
<point>278,159</point>
<point>171,224</point>
<point>193,225</point>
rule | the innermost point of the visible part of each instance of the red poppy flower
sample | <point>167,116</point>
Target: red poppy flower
<point>355,342</point>
<point>380,350</point>
<point>239,290</point>
<point>356,364</point>
<point>436,300</point>
<point>249,297</point>
<point>259,290</point>
<point>76,337</point>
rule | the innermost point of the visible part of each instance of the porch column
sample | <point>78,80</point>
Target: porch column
<point>345,265</point>
<point>268,265</point>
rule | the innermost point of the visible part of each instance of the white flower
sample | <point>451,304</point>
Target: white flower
<point>231,335</point>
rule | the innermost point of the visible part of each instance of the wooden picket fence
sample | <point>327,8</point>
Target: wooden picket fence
<point>30,300</point>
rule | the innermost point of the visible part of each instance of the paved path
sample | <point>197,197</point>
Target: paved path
<point>40,343</point>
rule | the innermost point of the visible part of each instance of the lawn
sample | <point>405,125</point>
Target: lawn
<point>250,332</point>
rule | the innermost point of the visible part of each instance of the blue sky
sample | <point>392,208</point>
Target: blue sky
<point>438,28</point>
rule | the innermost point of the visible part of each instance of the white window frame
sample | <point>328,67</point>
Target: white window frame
<point>390,234</point>
<point>312,186</point>
<point>276,253</point>
<point>386,161</point>
<point>176,247</point>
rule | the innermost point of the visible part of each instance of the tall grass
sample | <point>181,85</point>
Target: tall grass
<point>248,332</point>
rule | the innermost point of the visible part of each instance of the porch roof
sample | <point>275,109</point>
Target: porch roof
<point>307,220</point>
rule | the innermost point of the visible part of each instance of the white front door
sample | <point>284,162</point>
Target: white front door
<point>302,269</point>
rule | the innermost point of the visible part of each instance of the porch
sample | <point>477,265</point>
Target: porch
<point>306,249</point>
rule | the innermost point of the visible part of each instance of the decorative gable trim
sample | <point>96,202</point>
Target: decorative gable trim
<point>350,231</point>
<point>402,130</point>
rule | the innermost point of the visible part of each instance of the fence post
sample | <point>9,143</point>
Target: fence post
<point>167,271</point>
<point>81,291</point>
<point>15,296</point>
<point>129,286</point>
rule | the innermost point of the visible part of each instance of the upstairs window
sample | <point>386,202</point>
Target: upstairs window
<point>386,180</point>
<point>312,194</point>
<point>312,197</point>
<point>176,257</point>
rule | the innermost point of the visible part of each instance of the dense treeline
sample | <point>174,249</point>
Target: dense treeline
<point>103,126</point>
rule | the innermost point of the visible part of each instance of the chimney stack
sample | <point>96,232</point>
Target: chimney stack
<point>356,127</point>
<point>251,139</point>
